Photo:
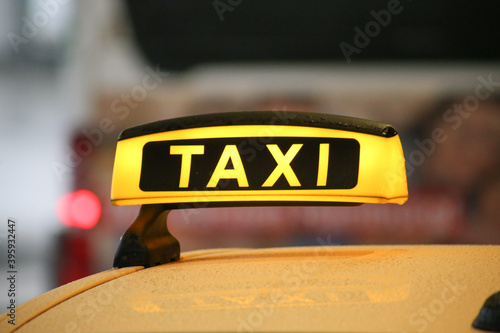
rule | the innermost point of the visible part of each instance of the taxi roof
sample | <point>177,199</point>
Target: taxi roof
<point>350,288</point>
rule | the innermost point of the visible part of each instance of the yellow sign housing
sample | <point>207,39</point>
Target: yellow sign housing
<point>259,158</point>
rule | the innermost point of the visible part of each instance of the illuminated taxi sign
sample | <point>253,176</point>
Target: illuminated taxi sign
<point>263,158</point>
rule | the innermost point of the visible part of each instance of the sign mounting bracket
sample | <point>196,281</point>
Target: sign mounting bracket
<point>148,242</point>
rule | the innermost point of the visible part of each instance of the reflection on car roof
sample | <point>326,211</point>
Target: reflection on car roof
<point>349,288</point>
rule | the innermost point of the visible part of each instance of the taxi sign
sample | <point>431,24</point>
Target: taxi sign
<point>243,159</point>
<point>259,158</point>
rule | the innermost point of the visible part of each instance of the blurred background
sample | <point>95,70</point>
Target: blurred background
<point>73,75</point>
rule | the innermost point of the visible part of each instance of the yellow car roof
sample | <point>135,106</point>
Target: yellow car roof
<point>346,289</point>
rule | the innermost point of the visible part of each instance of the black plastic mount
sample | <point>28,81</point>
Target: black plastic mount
<point>147,242</point>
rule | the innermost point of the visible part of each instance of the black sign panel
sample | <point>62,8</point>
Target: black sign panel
<point>255,163</point>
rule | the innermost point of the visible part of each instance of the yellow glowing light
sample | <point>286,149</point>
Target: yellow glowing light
<point>381,175</point>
